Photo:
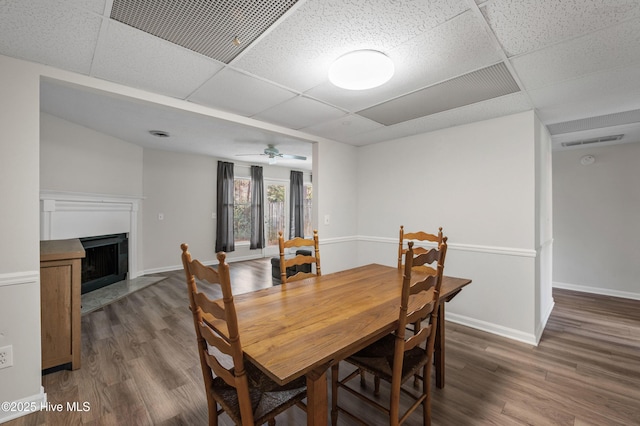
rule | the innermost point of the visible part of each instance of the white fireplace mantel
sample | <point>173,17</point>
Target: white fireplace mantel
<point>66,215</point>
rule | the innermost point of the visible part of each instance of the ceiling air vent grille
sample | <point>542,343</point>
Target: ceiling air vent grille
<point>603,139</point>
<point>219,29</point>
<point>486,83</point>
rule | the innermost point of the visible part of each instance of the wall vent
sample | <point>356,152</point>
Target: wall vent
<point>603,139</point>
<point>219,29</point>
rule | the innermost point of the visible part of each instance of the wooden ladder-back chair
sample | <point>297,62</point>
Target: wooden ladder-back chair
<point>303,264</point>
<point>416,236</point>
<point>246,394</point>
<point>399,356</point>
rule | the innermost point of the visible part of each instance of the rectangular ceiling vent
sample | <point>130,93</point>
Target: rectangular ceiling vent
<point>603,139</point>
<point>598,122</point>
<point>486,83</point>
<point>219,29</point>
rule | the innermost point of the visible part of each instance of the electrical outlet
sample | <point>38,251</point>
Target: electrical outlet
<point>6,356</point>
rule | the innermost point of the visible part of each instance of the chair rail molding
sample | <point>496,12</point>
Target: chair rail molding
<point>66,215</point>
<point>506,251</point>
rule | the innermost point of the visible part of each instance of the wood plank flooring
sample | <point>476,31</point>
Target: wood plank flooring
<point>140,367</point>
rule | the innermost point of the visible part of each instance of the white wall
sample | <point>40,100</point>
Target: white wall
<point>78,159</point>
<point>478,182</point>
<point>20,191</point>
<point>335,181</point>
<point>596,211</point>
<point>183,188</point>
<point>544,225</point>
<point>19,227</point>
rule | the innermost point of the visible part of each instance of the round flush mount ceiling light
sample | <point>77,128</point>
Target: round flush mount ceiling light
<point>361,69</point>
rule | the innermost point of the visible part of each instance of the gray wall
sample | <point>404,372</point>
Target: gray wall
<point>19,227</point>
<point>480,183</point>
<point>596,228</point>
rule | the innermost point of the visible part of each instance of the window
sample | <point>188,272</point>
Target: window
<point>275,212</point>
<point>242,209</point>
<point>308,204</point>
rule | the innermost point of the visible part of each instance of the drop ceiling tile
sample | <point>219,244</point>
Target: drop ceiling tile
<point>454,48</point>
<point>382,134</point>
<point>134,58</point>
<point>486,110</point>
<point>300,112</point>
<point>523,26</point>
<point>50,32</point>
<point>486,83</point>
<point>341,129</point>
<point>610,48</point>
<point>239,93</point>
<point>95,6</point>
<point>297,53</point>
<point>588,96</point>
<point>492,108</point>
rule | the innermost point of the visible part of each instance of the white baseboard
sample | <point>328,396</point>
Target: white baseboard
<point>543,322</point>
<point>207,262</point>
<point>597,290</point>
<point>499,330</point>
<point>24,406</point>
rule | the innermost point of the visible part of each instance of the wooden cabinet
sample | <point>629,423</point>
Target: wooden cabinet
<point>60,270</point>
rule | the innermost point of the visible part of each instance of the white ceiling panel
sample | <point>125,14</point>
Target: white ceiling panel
<point>300,112</point>
<point>524,26</point>
<point>137,59</point>
<point>188,132</point>
<point>493,108</point>
<point>454,48</point>
<point>593,94</point>
<point>343,128</point>
<point>486,83</point>
<point>50,32</point>
<point>572,59</point>
<point>298,52</point>
<point>240,93</point>
<point>610,48</point>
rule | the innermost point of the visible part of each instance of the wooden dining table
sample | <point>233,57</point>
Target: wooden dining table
<point>301,328</point>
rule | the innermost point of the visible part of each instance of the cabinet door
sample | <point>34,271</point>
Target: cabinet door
<point>55,303</point>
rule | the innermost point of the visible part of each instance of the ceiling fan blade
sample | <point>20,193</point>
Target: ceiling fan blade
<point>293,157</point>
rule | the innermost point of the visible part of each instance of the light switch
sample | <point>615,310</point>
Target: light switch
<point>160,216</point>
<point>327,219</point>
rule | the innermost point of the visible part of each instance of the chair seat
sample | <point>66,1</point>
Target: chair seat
<point>267,397</point>
<point>377,359</point>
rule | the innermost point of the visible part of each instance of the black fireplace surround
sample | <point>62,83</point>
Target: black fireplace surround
<point>105,262</point>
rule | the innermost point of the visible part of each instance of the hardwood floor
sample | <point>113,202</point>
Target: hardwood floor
<point>139,366</point>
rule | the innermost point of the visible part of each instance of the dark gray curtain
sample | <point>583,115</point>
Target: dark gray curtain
<point>257,208</point>
<point>297,205</point>
<point>224,208</point>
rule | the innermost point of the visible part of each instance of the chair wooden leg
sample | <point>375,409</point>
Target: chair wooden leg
<point>334,393</point>
<point>213,412</point>
<point>426,388</point>
<point>376,385</point>
<point>272,422</point>
<point>363,380</point>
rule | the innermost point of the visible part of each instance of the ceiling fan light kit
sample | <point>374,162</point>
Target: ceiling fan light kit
<point>361,70</point>
<point>273,153</point>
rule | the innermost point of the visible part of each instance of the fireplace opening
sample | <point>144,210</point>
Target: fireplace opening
<point>105,261</point>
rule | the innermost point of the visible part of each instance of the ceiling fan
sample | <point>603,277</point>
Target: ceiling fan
<point>273,153</point>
